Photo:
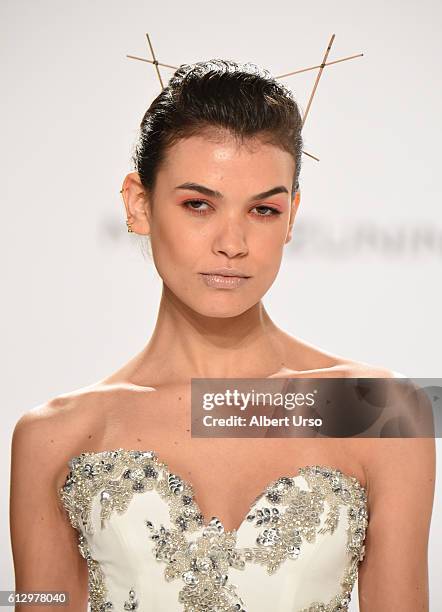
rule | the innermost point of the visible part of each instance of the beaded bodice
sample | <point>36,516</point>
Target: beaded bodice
<point>148,548</point>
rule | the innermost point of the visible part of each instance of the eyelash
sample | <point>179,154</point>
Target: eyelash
<point>195,211</point>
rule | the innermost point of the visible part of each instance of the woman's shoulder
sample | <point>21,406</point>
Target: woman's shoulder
<point>54,428</point>
<point>390,462</point>
<point>302,357</point>
<point>355,369</point>
<point>59,408</point>
<point>305,358</point>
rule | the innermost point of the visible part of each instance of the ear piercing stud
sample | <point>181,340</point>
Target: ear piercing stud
<point>128,223</point>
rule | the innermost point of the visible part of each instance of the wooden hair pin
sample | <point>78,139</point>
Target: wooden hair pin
<point>321,67</point>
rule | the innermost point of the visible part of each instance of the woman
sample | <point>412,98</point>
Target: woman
<point>164,521</point>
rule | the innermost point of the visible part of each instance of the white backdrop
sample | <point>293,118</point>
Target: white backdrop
<point>79,298</point>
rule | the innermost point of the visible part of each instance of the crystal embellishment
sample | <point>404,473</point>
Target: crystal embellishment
<point>202,565</point>
<point>284,515</point>
<point>132,603</point>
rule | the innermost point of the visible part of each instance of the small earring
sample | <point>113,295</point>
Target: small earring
<point>129,225</point>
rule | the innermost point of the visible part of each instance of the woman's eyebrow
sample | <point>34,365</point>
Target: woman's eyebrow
<point>217,194</point>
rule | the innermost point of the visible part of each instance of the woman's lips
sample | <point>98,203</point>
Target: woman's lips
<point>218,281</point>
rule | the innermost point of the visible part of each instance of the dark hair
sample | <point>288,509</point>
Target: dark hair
<point>222,94</point>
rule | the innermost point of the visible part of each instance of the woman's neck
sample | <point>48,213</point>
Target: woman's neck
<point>187,344</point>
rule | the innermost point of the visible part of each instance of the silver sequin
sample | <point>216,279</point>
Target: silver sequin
<point>290,517</point>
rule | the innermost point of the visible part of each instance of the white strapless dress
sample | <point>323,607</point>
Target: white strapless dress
<point>147,548</point>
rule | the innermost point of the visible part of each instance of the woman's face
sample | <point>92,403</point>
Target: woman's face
<point>220,204</point>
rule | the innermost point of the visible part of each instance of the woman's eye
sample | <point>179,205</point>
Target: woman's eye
<point>200,207</point>
<point>189,205</point>
<point>270,212</point>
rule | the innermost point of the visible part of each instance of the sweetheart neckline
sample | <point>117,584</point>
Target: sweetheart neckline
<point>187,482</point>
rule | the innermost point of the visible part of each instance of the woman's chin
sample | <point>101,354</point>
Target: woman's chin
<point>221,311</point>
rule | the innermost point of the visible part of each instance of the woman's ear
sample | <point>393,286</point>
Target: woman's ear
<point>137,204</point>
<point>293,210</point>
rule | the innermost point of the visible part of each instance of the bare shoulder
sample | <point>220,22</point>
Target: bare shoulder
<point>396,465</point>
<point>304,358</point>
<point>53,430</point>
<point>364,369</point>
<point>408,404</point>
<point>393,462</point>
<point>356,369</point>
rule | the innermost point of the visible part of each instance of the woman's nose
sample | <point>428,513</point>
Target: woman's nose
<point>230,239</point>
